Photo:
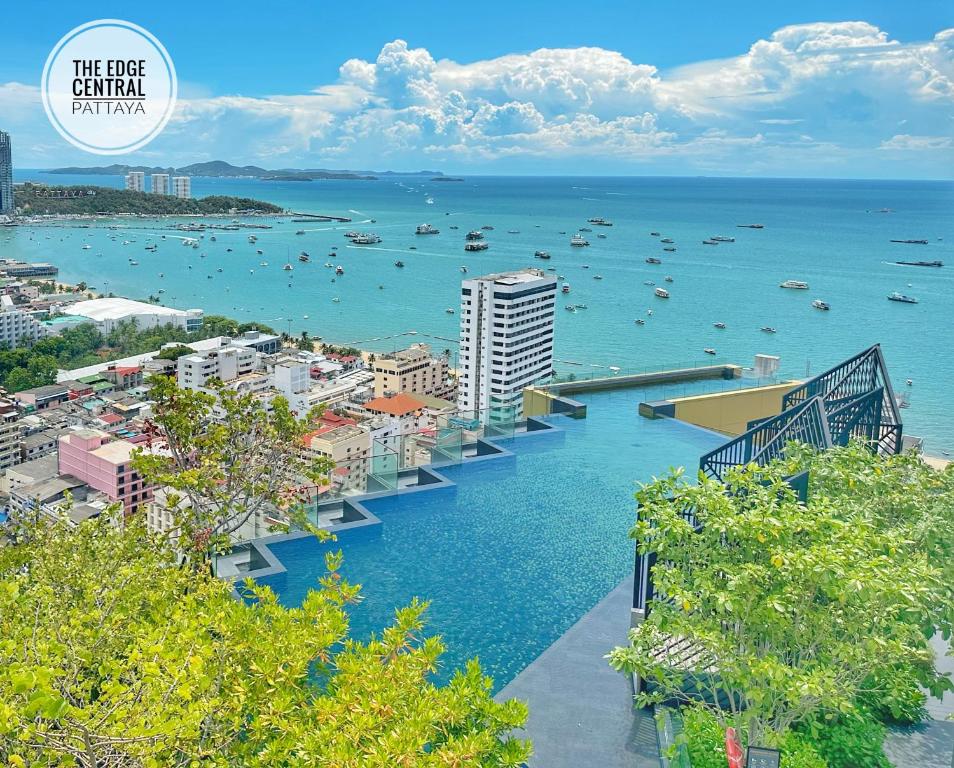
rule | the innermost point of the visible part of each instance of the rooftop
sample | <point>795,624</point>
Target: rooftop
<point>116,307</point>
<point>400,404</point>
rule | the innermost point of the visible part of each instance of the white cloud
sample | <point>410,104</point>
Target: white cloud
<point>823,93</point>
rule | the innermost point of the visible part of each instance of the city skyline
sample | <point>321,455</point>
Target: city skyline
<point>856,90</point>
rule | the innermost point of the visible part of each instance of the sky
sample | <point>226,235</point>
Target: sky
<point>830,89</point>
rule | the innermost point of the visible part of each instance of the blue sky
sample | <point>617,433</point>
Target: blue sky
<point>831,88</point>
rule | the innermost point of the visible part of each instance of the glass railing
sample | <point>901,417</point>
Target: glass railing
<point>384,465</point>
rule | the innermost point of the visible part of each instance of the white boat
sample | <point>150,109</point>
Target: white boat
<point>722,239</point>
<point>719,325</point>
<point>474,234</point>
<point>449,311</point>
<point>709,351</point>
<point>426,229</point>
<point>87,247</point>
<point>795,284</point>
<point>252,239</point>
<point>662,293</point>
<point>902,298</point>
<point>263,263</point>
<point>476,245</point>
<point>600,221</point>
<point>366,239</point>
<point>565,288</point>
<point>819,304</point>
<point>578,241</point>
<point>288,267</point>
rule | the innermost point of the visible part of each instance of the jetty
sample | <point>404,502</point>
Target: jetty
<point>306,217</point>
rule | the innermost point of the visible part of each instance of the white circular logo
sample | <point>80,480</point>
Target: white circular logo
<point>109,87</point>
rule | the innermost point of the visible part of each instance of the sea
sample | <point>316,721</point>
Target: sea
<point>833,234</point>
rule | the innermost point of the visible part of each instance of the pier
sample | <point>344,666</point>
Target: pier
<point>304,218</point>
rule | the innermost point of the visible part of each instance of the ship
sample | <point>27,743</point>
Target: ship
<point>339,270</point>
<point>426,229</point>
<point>911,242</point>
<point>921,263</point>
<point>653,260</point>
<point>366,239</point>
<point>541,255</point>
<point>796,284</point>
<point>902,298</point>
<point>578,241</point>
<point>722,239</point>
<point>565,288</point>
<point>751,226</point>
<point>288,267</point>
<point>600,221</point>
<point>819,304</point>
<point>476,246</point>
<point>662,293</point>
<point>304,257</point>
<point>474,234</point>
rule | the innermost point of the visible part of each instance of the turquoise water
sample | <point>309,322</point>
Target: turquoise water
<point>824,232</point>
<point>521,548</point>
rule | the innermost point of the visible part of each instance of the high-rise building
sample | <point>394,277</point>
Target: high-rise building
<point>506,339</point>
<point>136,181</point>
<point>160,184</point>
<point>182,186</point>
<point>6,175</point>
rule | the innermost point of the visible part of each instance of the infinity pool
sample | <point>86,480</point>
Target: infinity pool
<point>520,548</point>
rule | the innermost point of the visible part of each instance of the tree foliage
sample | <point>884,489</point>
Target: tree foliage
<point>227,459</point>
<point>110,658</point>
<point>796,610</point>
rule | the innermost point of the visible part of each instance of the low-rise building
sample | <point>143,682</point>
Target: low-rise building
<point>107,313</point>
<point>105,464</point>
<point>225,364</point>
<point>414,370</point>
<point>38,444</point>
<point>10,431</point>
<point>348,446</point>
<point>43,468</point>
<point>41,398</point>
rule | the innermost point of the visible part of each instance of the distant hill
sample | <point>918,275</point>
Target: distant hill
<point>222,169</point>
<point>33,200</point>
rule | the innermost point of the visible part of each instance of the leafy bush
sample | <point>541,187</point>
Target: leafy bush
<point>896,695</point>
<point>705,738</point>
<point>852,741</point>
<point>798,751</point>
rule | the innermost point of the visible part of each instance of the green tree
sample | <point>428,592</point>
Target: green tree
<point>304,342</point>
<point>227,460</point>
<point>790,610</point>
<point>110,658</point>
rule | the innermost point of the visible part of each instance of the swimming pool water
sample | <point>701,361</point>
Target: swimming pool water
<point>520,548</point>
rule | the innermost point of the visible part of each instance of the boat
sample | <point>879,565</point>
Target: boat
<point>751,226</point>
<point>720,326</point>
<point>920,263</point>
<point>570,308</point>
<point>662,293</point>
<point>487,227</point>
<point>476,246</point>
<point>336,299</point>
<point>911,242</point>
<point>597,277</point>
<point>541,255</point>
<point>648,282</point>
<point>263,263</point>
<point>722,239</point>
<point>304,257</point>
<point>300,232</point>
<point>474,234</point>
<point>709,351</point>
<point>640,321</point>
<point>669,250</point>
<point>513,231</point>
<point>585,229</point>
<point>600,221</point>
<point>212,239</point>
<point>133,263</point>
<point>653,260</point>
<point>259,251</point>
<point>252,239</point>
<point>426,229</point>
<point>902,298</point>
<point>288,267</point>
<point>795,284</point>
<point>339,270</point>
<point>584,266</point>
<point>449,311</point>
<point>454,226</point>
<point>399,264</point>
<point>578,241</point>
<point>710,241</point>
<point>352,234</point>
<point>219,269</point>
<point>601,236</point>
<point>565,288</point>
<point>668,278</point>
<point>463,269</point>
<point>819,304</point>
<point>580,306</point>
<point>366,239</point>
<point>654,234</point>
<point>767,329</point>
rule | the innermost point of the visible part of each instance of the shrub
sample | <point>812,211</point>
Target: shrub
<point>852,741</point>
<point>705,738</point>
<point>799,752</point>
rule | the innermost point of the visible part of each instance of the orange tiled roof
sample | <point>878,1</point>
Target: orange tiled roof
<point>400,404</point>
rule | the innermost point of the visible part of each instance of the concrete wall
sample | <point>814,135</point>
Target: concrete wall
<point>647,379</point>
<point>730,412</point>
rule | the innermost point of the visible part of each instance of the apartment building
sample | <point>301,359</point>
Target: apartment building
<point>92,456</point>
<point>506,339</point>
<point>160,184</point>
<point>9,434</point>
<point>226,363</point>
<point>17,328</point>
<point>413,370</point>
<point>348,446</point>
<point>136,181</point>
<point>182,186</point>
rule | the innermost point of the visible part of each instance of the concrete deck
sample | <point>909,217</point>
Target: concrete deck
<point>581,711</point>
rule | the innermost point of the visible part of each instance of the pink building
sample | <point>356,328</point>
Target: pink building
<point>105,464</point>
